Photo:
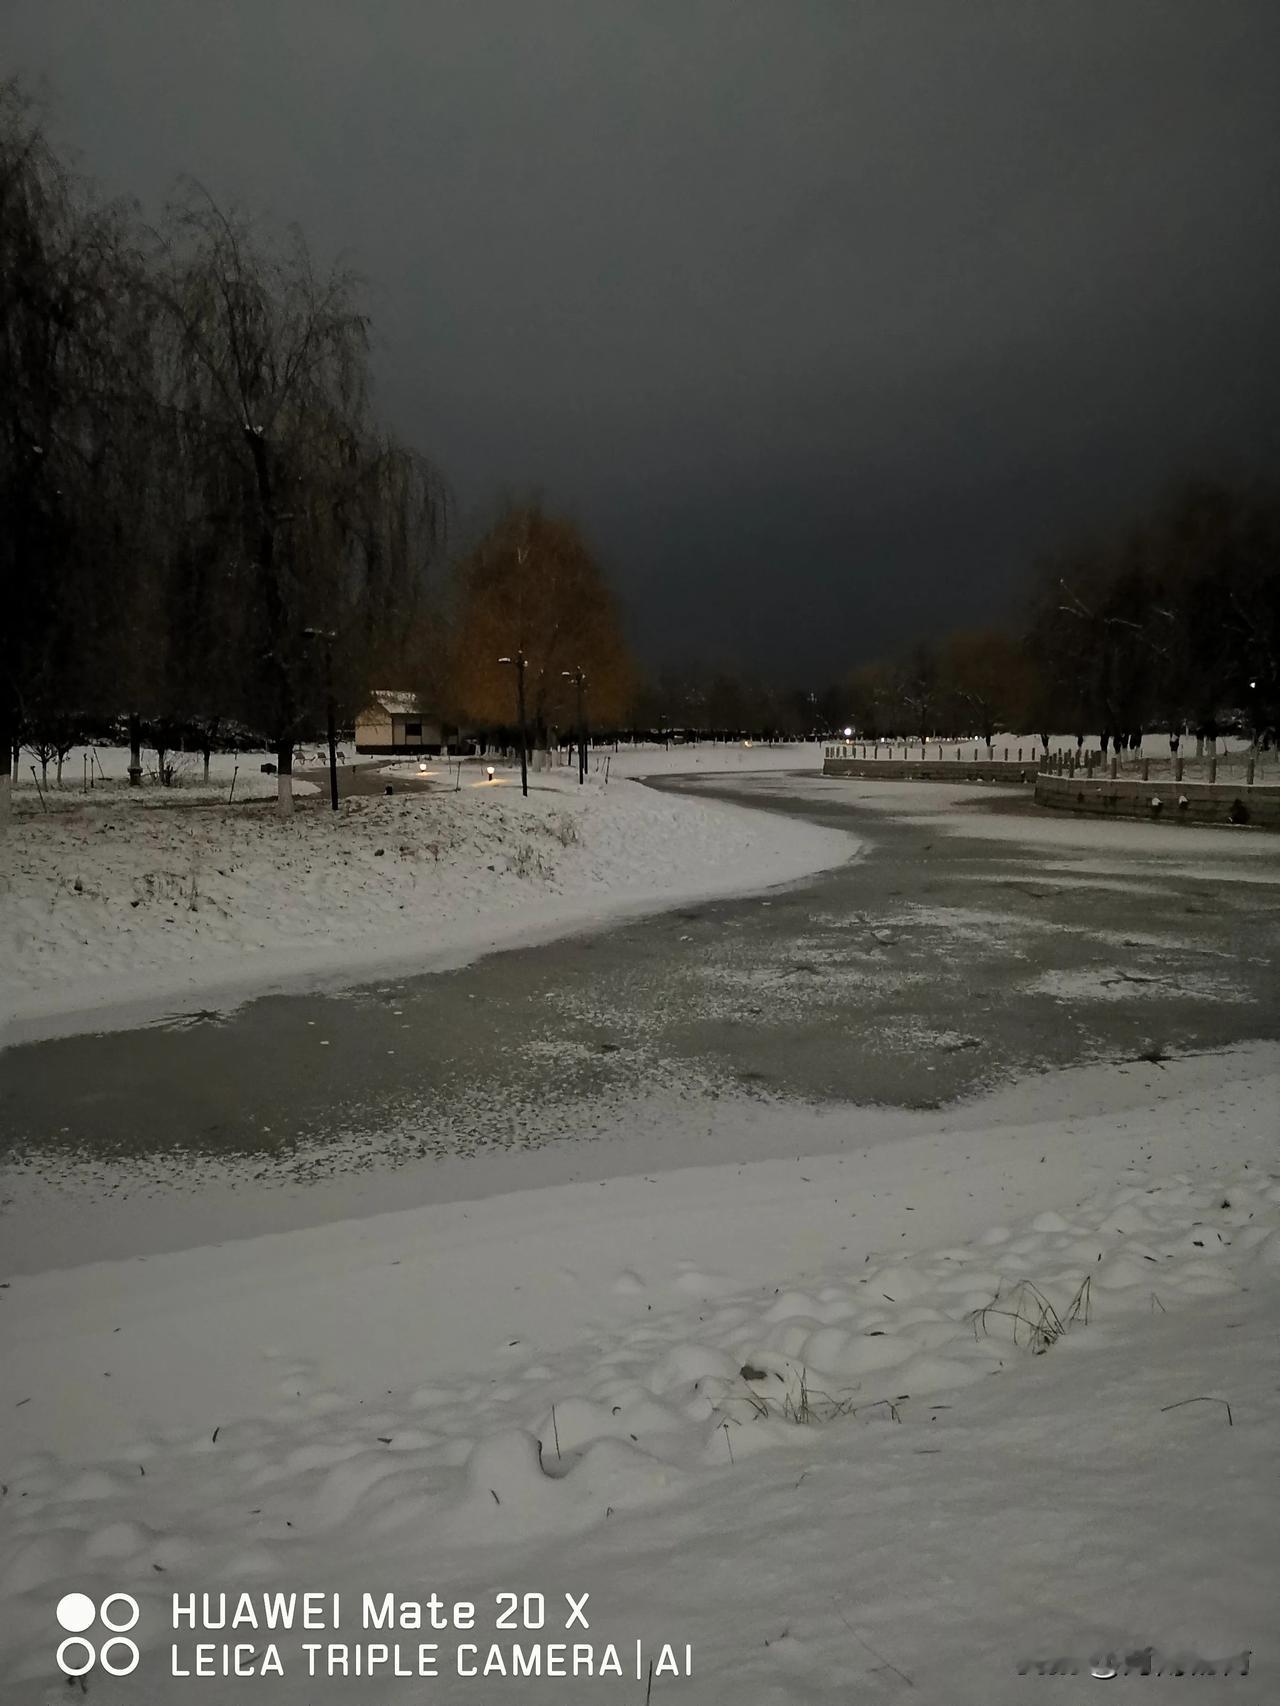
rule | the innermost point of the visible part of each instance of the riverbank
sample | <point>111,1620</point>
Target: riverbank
<point>110,915</point>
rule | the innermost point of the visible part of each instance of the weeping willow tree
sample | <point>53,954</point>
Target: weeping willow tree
<point>396,517</point>
<point>271,388</point>
<point>61,261</point>
<point>322,528</point>
<point>201,525</point>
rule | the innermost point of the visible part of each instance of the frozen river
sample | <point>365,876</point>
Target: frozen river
<point>969,946</point>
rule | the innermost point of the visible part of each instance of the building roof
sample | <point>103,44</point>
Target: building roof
<point>396,704</point>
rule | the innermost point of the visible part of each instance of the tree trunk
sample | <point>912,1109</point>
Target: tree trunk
<point>205,754</point>
<point>6,772</point>
<point>57,774</point>
<point>276,623</point>
<point>135,750</point>
<point>284,778</point>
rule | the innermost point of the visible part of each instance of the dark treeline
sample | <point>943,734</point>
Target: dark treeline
<point>718,702</point>
<point>206,535</point>
<point>206,532</point>
<point>1172,626</point>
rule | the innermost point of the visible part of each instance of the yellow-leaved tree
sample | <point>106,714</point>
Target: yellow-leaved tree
<point>531,587</point>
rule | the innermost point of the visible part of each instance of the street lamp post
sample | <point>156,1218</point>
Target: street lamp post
<point>580,682</point>
<point>331,711</point>
<point>518,662</point>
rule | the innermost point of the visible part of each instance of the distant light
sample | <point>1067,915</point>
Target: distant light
<point>422,766</point>
<point>489,771</point>
<point>848,734</point>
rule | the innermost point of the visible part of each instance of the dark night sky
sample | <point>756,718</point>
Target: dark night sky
<point>824,316</point>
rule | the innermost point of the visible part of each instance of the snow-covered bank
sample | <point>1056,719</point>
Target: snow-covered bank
<point>97,777</point>
<point>680,758</point>
<point>108,917</point>
<point>733,758</point>
<point>756,1408</point>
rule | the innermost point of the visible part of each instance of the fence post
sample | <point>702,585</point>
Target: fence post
<point>1248,777</point>
<point>1213,768</point>
<point>1177,768</point>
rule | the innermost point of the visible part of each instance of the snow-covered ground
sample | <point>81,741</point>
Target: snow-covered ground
<point>98,777</point>
<point>892,1422</point>
<point>875,1406</point>
<point>647,758</point>
<point>107,915</point>
<point>735,758</point>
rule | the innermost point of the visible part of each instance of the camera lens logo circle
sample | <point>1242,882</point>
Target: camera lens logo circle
<point>121,1663</point>
<point>77,1655</point>
<point>76,1611</point>
<point>84,1656</point>
<point>130,1612</point>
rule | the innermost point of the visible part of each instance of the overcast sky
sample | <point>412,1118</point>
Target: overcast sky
<point>823,316</point>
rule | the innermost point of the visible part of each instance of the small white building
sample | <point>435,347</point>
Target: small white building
<point>398,722</point>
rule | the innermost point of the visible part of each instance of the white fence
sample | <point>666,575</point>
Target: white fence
<point>1238,765</point>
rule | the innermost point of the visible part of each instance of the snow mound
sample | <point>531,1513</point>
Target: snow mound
<point>631,1422</point>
